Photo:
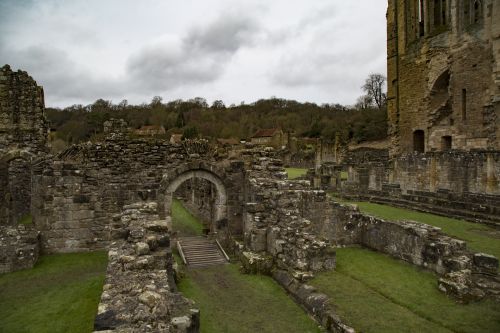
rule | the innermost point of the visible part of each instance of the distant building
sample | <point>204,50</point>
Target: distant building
<point>175,138</point>
<point>273,137</point>
<point>150,130</point>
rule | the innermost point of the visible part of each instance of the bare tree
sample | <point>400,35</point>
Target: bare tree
<point>364,102</point>
<point>373,87</point>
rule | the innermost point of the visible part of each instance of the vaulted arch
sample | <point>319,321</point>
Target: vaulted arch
<point>173,180</point>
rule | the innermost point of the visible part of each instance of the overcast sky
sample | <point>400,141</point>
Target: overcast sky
<point>234,50</point>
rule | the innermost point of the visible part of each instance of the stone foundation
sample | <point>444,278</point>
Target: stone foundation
<point>419,244</point>
<point>139,294</point>
<point>19,248</point>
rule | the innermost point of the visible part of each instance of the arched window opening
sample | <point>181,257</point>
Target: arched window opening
<point>440,12</point>
<point>421,18</point>
<point>467,16</point>
<point>419,141</point>
<point>478,11</point>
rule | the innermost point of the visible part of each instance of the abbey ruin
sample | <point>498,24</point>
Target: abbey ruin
<point>116,194</point>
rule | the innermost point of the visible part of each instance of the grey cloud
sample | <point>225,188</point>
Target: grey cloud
<point>200,57</point>
<point>60,76</point>
<point>227,34</point>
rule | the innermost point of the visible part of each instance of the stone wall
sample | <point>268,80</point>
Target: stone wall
<point>22,120</point>
<point>419,244</point>
<point>139,294</point>
<point>76,193</point>
<point>19,248</point>
<point>443,79</point>
<point>454,183</point>
<point>277,221</point>
<point>23,138</point>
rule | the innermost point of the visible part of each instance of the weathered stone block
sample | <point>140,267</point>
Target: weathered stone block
<point>485,264</point>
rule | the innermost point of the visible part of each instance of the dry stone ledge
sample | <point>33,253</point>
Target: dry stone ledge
<point>19,248</point>
<point>139,294</point>
<point>316,304</point>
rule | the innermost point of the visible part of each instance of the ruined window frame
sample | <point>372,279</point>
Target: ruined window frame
<point>438,14</point>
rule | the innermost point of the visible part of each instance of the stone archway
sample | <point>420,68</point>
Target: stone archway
<point>171,183</point>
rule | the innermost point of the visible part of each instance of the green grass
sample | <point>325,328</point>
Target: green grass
<point>230,301</point>
<point>375,293</point>
<point>294,173</point>
<point>183,221</point>
<point>479,237</point>
<point>26,219</point>
<point>60,294</point>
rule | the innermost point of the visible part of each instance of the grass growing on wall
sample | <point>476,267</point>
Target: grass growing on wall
<point>233,302</point>
<point>376,293</point>
<point>294,173</point>
<point>60,294</point>
<point>479,237</point>
<point>183,221</point>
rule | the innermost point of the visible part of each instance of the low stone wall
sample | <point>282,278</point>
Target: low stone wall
<point>453,183</point>
<point>419,244</point>
<point>316,304</point>
<point>19,248</point>
<point>276,221</point>
<point>76,194</point>
<point>139,294</point>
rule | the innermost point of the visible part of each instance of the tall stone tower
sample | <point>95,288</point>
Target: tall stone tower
<point>443,75</point>
<point>22,122</point>
<point>23,137</point>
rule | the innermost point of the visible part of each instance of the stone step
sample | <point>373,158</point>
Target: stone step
<point>201,252</point>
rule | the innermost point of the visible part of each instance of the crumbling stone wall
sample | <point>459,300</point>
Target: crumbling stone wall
<point>22,120</point>
<point>23,137</point>
<point>419,244</point>
<point>76,193</point>
<point>276,223</point>
<point>19,248</point>
<point>139,293</point>
<point>443,79</point>
<point>454,183</point>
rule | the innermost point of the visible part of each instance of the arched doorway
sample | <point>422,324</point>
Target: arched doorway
<point>172,182</point>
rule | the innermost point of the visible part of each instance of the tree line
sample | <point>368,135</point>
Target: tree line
<point>195,117</point>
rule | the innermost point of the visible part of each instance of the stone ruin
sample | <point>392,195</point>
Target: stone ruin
<point>23,139</point>
<point>116,194</point>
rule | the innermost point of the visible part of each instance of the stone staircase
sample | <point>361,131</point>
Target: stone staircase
<point>200,252</point>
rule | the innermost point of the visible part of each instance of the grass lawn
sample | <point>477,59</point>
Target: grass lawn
<point>479,237</point>
<point>230,301</point>
<point>234,302</point>
<point>294,173</point>
<point>183,221</point>
<point>375,293</point>
<point>60,294</point>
